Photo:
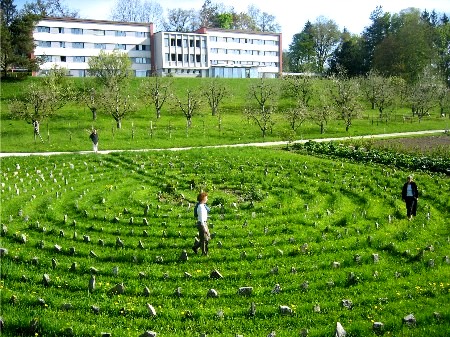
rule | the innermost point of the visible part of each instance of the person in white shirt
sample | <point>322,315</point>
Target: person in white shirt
<point>410,195</point>
<point>202,211</point>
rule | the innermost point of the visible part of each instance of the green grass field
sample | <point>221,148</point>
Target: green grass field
<point>328,232</point>
<point>68,130</point>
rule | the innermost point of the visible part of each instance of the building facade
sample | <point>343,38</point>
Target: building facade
<point>69,43</point>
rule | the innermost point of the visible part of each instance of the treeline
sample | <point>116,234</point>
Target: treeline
<point>401,45</point>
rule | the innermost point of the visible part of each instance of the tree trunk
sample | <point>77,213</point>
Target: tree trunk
<point>119,123</point>
<point>322,128</point>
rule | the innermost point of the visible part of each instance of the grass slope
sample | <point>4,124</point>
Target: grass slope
<point>277,218</point>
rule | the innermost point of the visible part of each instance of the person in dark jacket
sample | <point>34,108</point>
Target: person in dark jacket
<point>410,194</point>
<point>94,138</point>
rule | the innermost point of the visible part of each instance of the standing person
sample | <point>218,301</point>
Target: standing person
<point>202,210</point>
<point>94,138</point>
<point>410,194</point>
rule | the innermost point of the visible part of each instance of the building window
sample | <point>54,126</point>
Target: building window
<point>99,32</point>
<point>63,59</point>
<point>178,42</point>
<point>197,43</point>
<point>79,59</point>
<point>180,57</point>
<point>46,58</point>
<point>78,45</point>
<point>167,58</point>
<point>77,31</point>
<point>45,44</point>
<point>121,46</point>
<point>120,33</point>
<point>42,29</point>
<point>166,42</point>
<point>191,43</point>
<point>197,58</point>
<point>100,45</point>
<point>141,47</point>
<point>172,42</point>
<point>140,34</point>
<point>213,38</point>
<point>141,60</point>
<point>62,44</point>
<point>61,30</point>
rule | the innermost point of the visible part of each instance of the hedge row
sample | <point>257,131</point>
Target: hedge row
<point>385,157</point>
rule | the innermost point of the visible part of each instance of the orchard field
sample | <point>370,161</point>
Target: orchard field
<point>299,245</point>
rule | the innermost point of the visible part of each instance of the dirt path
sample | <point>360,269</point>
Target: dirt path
<point>279,143</point>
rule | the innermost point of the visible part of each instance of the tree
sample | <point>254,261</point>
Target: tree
<point>214,15</point>
<point>181,20</point>
<point>326,36</point>
<point>301,51</point>
<point>113,73</point>
<point>265,95</point>
<point>191,106</point>
<point>137,11</point>
<point>264,22</point>
<point>443,48</point>
<point>299,87</point>
<point>157,89</point>
<point>16,44</point>
<point>296,115</point>
<point>214,92</point>
<point>40,100</point>
<point>344,93</point>
<point>408,49</point>
<point>380,91</point>
<point>374,34</point>
<point>348,55</point>
<point>424,94</point>
<point>49,8</point>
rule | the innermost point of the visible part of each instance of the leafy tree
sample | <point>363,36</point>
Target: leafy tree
<point>243,21</point>
<point>301,51</point>
<point>408,49</point>
<point>214,92</point>
<point>224,20</point>
<point>214,15</point>
<point>113,73</point>
<point>157,89</point>
<point>49,8</point>
<point>443,48</point>
<point>348,55</point>
<point>190,106</point>
<point>40,100</point>
<point>137,11</point>
<point>374,34</point>
<point>264,94</point>
<point>326,36</point>
<point>16,44</point>
<point>89,95</point>
<point>344,93</point>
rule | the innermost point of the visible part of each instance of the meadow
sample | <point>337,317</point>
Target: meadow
<point>68,129</point>
<point>318,240</point>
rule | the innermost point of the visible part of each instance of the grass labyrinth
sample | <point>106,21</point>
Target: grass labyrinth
<point>307,233</point>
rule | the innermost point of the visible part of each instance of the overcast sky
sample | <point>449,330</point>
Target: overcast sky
<point>290,14</point>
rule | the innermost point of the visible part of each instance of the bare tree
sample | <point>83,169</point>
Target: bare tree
<point>296,116</point>
<point>345,93</point>
<point>138,11</point>
<point>214,92</point>
<point>424,93</point>
<point>49,8</point>
<point>264,22</point>
<point>190,105</point>
<point>113,73</point>
<point>380,91</point>
<point>157,89</point>
<point>181,20</point>
<point>299,87</point>
<point>41,100</point>
<point>264,94</point>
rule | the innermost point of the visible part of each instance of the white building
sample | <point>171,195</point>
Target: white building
<point>69,43</point>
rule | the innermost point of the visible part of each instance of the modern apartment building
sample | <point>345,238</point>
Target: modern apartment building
<point>69,43</point>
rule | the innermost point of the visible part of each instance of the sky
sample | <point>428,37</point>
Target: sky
<point>291,15</point>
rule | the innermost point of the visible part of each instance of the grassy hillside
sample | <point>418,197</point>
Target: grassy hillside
<point>327,238</point>
<point>68,129</point>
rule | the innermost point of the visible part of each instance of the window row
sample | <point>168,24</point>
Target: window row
<point>185,42</point>
<point>84,59</point>
<point>97,32</point>
<point>243,52</point>
<point>243,40</point>
<point>185,58</point>
<point>85,45</point>
<point>245,63</point>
